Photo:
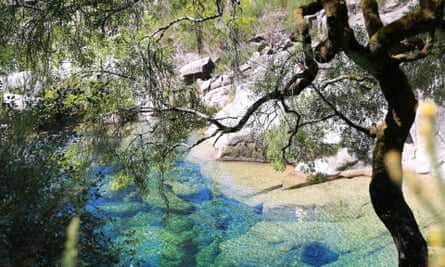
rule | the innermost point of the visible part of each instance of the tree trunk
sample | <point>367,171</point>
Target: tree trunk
<point>386,191</point>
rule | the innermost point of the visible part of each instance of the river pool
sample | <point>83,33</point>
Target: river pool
<point>210,224</point>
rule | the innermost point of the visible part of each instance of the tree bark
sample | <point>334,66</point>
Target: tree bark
<point>385,189</point>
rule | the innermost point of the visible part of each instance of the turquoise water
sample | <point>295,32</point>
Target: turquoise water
<point>206,228</point>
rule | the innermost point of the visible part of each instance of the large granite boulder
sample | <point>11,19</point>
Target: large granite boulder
<point>342,161</point>
<point>197,69</point>
<point>217,91</point>
<point>245,144</point>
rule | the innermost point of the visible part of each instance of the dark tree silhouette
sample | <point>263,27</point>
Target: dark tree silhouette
<point>387,48</point>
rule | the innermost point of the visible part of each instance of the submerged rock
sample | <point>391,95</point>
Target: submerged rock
<point>317,254</point>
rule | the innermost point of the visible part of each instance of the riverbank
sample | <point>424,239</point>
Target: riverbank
<point>258,185</point>
<point>260,182</point>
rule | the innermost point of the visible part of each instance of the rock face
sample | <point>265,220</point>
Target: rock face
<point>23,83</point>
<point>217,91</point>
<point>232,94</point>
<point>247,143</point>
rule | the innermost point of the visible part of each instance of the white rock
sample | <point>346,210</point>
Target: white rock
<point>204,85</point>
<point>218,97</point>
<point>15,101</point>
<point>333,165</point>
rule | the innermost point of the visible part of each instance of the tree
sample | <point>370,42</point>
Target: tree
<point>113,46</point>
<point>387,48</point>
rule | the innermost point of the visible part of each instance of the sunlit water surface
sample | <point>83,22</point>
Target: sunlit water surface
<point>204,227</point>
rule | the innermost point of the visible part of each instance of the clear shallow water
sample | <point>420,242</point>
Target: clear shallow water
<point>207,228</point>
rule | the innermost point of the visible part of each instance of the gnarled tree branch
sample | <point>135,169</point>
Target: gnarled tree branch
<point>403,57</point>
<point>421,21</point>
